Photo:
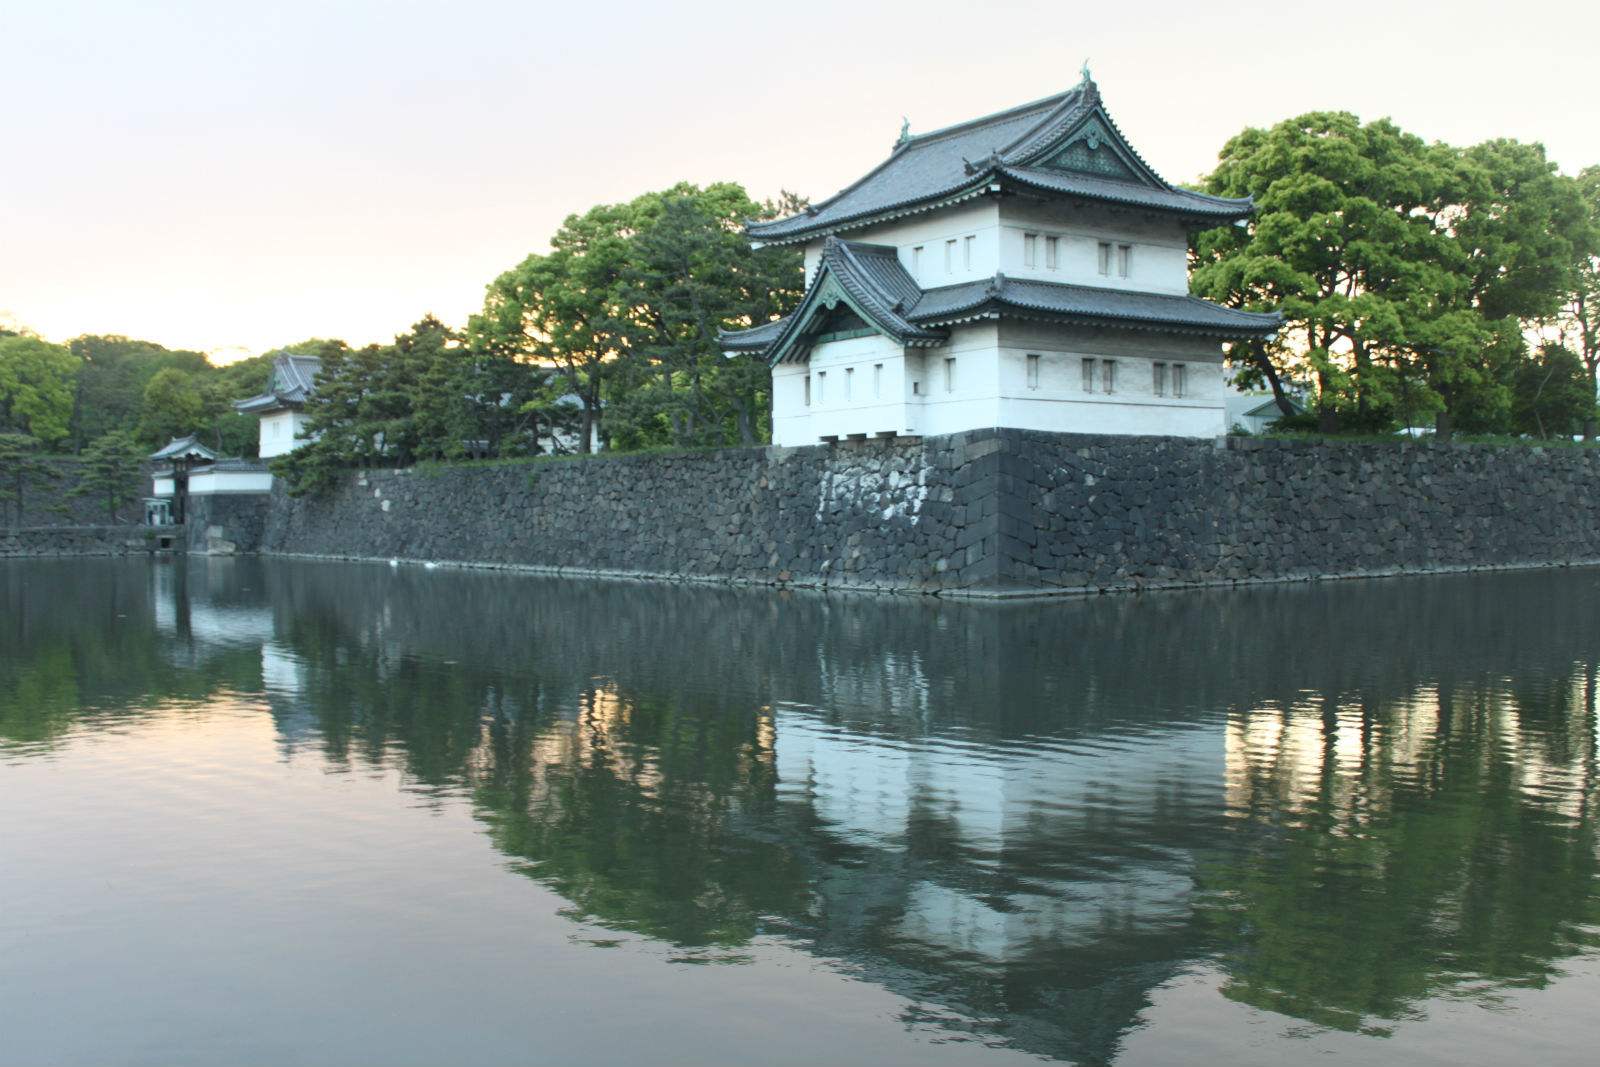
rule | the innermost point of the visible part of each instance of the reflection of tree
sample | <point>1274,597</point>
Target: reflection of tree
<point>634,811</point>
<point>79,637</point>
<point>1451,843</point>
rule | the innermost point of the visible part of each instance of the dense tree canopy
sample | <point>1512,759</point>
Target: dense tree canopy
<point>36,388</point>
<point>1408,272</point>
<point>627,304</point>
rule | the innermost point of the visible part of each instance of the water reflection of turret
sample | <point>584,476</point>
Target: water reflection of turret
<point>1023,818</point>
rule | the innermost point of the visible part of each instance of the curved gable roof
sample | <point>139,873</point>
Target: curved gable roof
<point>866,278</point>
<point>1024,144</point>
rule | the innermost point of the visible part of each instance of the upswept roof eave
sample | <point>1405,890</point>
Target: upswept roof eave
<point>777,231</point>
<point>860,288</point>
<point>1202,206</point>
<point>997,295</point>
<point>954,194</point>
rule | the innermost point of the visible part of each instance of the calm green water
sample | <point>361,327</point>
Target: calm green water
<point>266,812</point>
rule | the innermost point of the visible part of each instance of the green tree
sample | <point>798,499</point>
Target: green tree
<point>36,388</point>
<point>1403,269</point>
<point>1335,245</point>
<point>111,384</point>
<point>175,404</point>
<point>626,307</point>
<point>1551,394</point>
<point>1576,322</point>
<point>20,466</point>
<point>113,470</point>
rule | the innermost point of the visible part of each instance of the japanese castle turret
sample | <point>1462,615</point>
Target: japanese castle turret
<point>1025,270</point>
<point>282,406</point>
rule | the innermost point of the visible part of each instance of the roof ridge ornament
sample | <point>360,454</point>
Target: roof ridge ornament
<point>905,131</point>
<point>996,284</point>
<point>1084,70</point>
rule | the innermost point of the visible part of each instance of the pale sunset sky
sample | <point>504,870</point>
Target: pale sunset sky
<point>231,177</point>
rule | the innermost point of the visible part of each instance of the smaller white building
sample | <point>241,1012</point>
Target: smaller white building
<point>282,406</point>
<point>184,467</point>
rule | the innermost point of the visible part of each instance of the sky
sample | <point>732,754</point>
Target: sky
<point>232,177</point>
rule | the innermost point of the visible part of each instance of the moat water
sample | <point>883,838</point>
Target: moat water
<point>276,812</point>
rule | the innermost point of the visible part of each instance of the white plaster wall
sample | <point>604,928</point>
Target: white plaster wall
<point>1061,404</point>
<point>280,432</point>
<point>1159,263</point>
<point>978,219</point>
<point>203,483</point>
<point>874,404</point>
<point>163,487</point>
<point>972,402</point>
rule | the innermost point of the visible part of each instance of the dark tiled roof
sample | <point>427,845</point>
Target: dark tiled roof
<point>932,168</point>
<point>754,339</point>
<point>294,378</point>
<point>1091,305</point>
<point>183,446</point>
<point>1182,201</point>
<point>875,284</point>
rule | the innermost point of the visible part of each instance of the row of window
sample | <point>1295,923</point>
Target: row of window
<point>1113,258</point>
<point>955,249</point>
<point>820,391</point>
<point>1100,375</point>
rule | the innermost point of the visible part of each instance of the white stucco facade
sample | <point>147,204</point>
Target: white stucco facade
<point>1000,373</point>
<point>281,431</point>
<point>1023,270</point>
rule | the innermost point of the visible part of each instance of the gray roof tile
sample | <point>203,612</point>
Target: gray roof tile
<point>933,167</point>
<point>1090,304</point>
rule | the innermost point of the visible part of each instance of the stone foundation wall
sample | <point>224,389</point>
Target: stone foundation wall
<point>995,512</point>
<point>89,540</point>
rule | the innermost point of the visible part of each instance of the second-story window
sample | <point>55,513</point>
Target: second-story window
<point>1030,249</point>
<point>849,380</point>
<point>877,381</point>
<point>808,390</point>
<point>916,263</point>
<point>950,256</point>
<point>1052,252</point>
<point>1033,371</point>
<point>822,386</point>
<point>1158,379</point>
<point>950,375</point>
<point>1088,375</point>
<point>1105,258</point>
<point>1180,383</point>
<point>1108,375</point>
<point>1124,260</point>
<point>966,252</point>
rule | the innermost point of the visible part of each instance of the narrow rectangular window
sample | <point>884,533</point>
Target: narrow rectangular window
<point>1158,379</point>
<point>916,263</point>
<point>1052,252</point>
<point>1030,249</point>
<point>967,247</point>
<point>877,381</point>
<point>950,256</point>
<point>1108,375</point>
<point>1088,375</point>
<point>808,390</point>
<point>1105,258</point>
<point>950,375</point>
<point>822,387</point>
<point>1033,371</point>
<point>916,388</point>
<point>1179,383</point>
<point>1124,260</point>
<point>849,379</point>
